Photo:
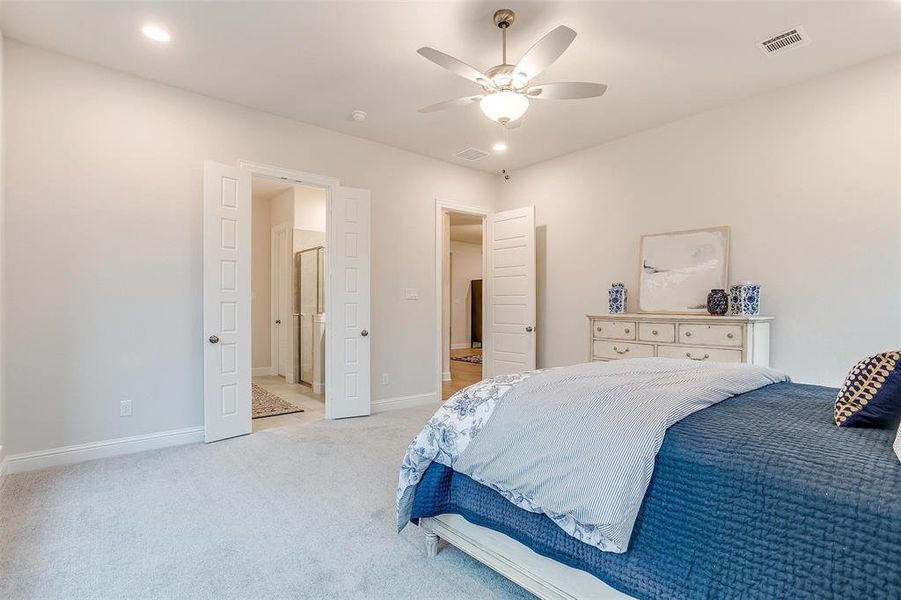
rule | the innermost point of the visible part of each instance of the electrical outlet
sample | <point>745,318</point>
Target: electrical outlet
<point>411,293</point>
<point>125,408</point>
<point>384,379</point>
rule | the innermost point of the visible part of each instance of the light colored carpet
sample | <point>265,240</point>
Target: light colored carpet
<point>305,511</point>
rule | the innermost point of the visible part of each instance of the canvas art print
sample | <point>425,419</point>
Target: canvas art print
<point>679,269</point>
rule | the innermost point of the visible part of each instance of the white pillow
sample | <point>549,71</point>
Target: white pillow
<point>897,445</point>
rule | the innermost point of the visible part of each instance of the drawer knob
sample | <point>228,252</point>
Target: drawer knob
<point>627,331</point>
<point>618,351</point>
<point>654,332</point>
<point>687,334</point>
<point>730,335</point>
<point>688,354</point>
<point>600,328</point>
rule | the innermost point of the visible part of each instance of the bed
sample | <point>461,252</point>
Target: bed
<point>758,495</point>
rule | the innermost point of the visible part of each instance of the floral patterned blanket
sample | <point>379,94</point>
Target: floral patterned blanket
<point>575,443</point>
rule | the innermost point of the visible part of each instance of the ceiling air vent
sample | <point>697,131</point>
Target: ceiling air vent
<point>785,41</point>
<point>471,154</point>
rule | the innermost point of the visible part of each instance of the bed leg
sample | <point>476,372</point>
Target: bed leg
<point>431,544</point>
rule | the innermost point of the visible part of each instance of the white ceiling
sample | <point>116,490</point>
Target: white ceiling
<point>267,188</point>
<point>316,62</point>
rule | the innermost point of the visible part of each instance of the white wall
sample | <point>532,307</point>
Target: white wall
<point>466,262</point>
<point>807,178</point>
<point>103,228</point>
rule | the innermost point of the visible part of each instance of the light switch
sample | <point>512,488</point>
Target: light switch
<point>411,293</point>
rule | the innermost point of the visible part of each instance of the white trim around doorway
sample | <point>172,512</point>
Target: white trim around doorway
<point>442,207</point>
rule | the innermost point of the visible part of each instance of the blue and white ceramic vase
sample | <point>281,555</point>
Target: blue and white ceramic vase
<point>617,298</point>
<point>744,299</point>
<point>717,302</point>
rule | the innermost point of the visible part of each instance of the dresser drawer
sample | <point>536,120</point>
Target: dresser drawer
<point>613,330</point>
<point>614,350</point>
<point>700,353</point>
<point>657,332</point>
<point>710,335</point>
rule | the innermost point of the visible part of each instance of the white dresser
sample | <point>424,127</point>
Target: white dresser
<point>698,337</point>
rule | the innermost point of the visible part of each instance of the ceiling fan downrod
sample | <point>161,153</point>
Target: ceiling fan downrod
<point>504,18</point>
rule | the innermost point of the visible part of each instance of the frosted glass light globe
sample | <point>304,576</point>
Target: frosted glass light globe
<point>504,107</point>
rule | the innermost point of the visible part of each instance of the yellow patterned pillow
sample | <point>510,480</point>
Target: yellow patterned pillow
<point>871,394</point>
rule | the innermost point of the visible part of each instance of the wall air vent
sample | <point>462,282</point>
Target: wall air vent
<point>795,37</point>
<point>471,154</point>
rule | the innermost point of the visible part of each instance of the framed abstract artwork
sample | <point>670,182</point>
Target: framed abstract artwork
<point>679,268</point>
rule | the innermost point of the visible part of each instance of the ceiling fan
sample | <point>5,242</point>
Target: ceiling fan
<point>506,88</point>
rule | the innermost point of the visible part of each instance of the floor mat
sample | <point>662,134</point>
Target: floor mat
<point>267,404</point>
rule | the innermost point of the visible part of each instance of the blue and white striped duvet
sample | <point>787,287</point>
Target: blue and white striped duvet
<point>575,443</point>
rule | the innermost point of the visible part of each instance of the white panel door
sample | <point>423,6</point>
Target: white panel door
<point>511,291</point>
<point>281,301</point>
<point>226,301</point>
<point>348,338</point>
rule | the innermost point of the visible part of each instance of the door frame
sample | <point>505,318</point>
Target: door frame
<point>443,207</point>
<point>310,179</point>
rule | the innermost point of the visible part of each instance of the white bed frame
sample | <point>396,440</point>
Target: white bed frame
<point>542,576</point>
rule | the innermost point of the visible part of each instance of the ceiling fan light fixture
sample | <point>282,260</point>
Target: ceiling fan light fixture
<point>504,107</point>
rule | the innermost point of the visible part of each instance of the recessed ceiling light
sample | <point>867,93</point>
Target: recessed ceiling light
<point>499,147</point>
<point>155,33</point>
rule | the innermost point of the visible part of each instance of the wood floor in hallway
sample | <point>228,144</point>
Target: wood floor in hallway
<point>462,373</point>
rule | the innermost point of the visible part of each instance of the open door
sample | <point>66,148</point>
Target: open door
<point>511,289</point>
<point>226,307</point>
<point>347,379</point>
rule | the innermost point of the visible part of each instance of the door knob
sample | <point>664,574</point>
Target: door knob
<point>528,329</point>
<point>364,333</point>
<point>214,339</point>
<point>278,321</point>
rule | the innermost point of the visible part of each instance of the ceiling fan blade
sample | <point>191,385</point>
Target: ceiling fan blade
<point>450,104</point>
<point>455,66</point>
<point>545,51</point>
<point>570,90</point>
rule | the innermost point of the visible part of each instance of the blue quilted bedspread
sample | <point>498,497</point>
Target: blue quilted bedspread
<point>759,496</point>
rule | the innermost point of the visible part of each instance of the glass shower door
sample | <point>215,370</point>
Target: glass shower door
<point>308,295</point>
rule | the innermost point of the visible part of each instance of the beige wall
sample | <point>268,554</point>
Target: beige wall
<point>261,283</point>
<point>309,208</point>
<point>806,177</point>
<point>466,262</point>
<point>104,175</point>
<point>297,205</point>
<point>2,269</point>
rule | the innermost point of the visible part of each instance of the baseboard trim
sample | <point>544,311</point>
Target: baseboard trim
<point>318,388</point>
<point>259,371</point>
<point>3,467</point>
<point>446,376</point>
<point>386,404</point>
<point>29,461</point>
<point>461,346</point>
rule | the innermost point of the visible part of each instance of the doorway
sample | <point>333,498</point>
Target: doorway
<point>228,296</point>
<point>462,297</point>
<point>508,286</point>
<point>287,220</point>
